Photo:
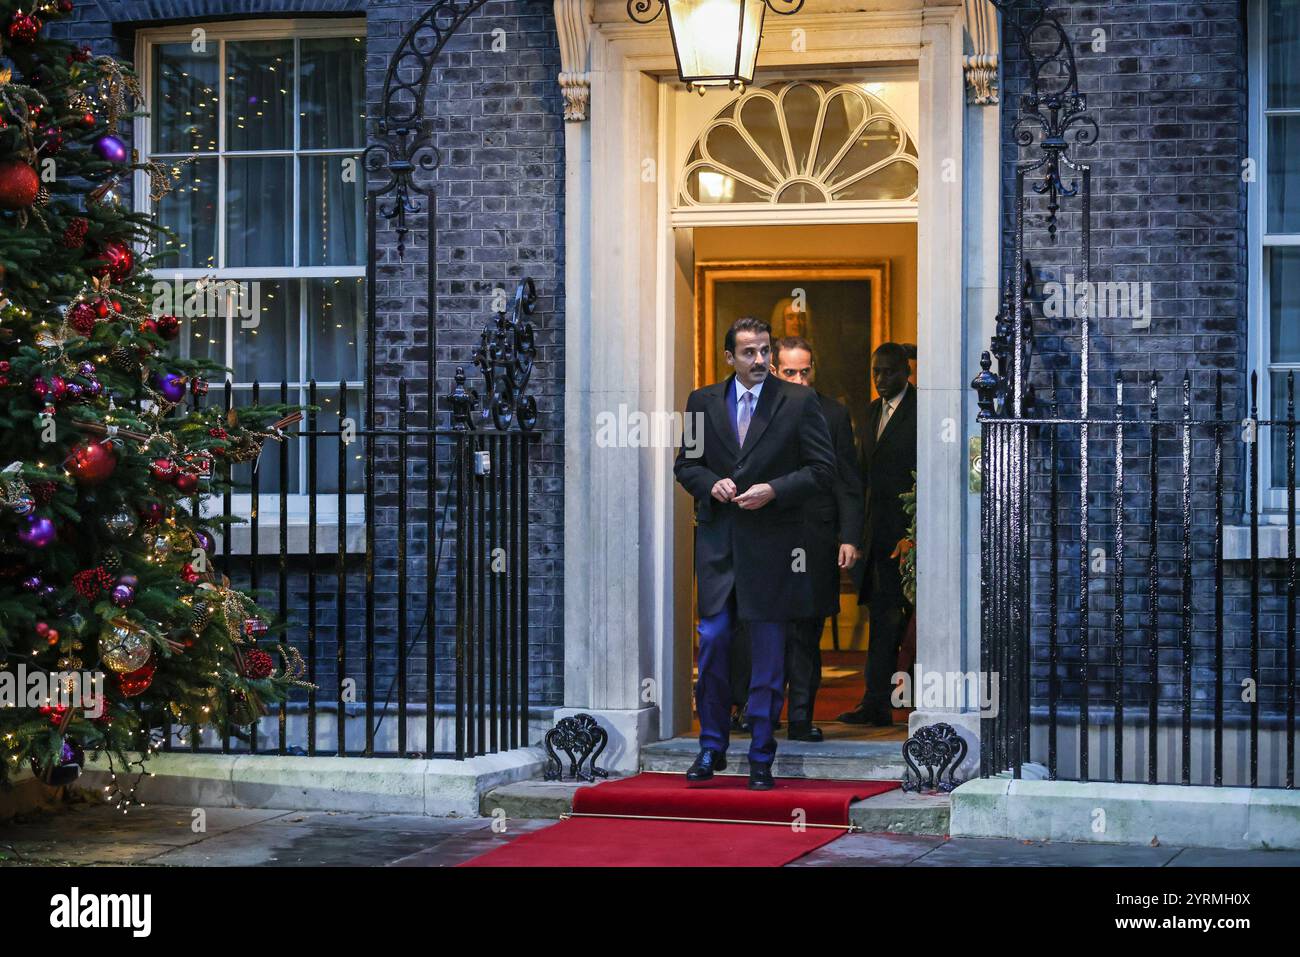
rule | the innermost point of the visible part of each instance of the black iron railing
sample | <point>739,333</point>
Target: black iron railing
<point>1136,625</point>
<point>407,599</point>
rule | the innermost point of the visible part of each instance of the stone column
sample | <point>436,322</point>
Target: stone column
<point>608,646</point>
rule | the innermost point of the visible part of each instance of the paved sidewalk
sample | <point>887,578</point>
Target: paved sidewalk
<point>164,836</point>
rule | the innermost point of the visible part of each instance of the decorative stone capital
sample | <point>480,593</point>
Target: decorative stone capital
<point>573,24</point>
<point>981,63</point>
<point>576,88</point>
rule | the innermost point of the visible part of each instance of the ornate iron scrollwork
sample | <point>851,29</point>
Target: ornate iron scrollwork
<point>993,388</point>
<point>579,733</point>
<point>940,748</point>
<point>463,402</point>
<point>648,11</point>
<point>403,147</point>
<point>505,355</point>
<point>1052,112</point>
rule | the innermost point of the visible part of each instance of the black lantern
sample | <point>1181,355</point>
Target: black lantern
<point>715,41</point>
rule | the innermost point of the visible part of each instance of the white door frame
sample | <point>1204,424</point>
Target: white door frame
<point>620,348</point>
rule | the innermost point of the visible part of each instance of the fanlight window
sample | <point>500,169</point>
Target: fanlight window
<point>802,142</point>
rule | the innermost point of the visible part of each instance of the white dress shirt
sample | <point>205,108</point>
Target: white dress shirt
<point>887,409</point>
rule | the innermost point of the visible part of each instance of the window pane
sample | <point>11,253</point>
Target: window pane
<point>1284,174</point>
<point>332,93</point>
<point>191,210</point>
<point>328,448</point>
<point>1284,304</point>
<point>184,106</point>
<point>259,201</point>
<point>336,329</point>
<point>268,350</point>
<point>259,95</point>
<point>1283,45</point>
<point>205,338</point>
<point>265,473</point>
<point>333,204</point>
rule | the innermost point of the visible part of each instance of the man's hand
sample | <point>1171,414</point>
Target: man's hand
<point>724,490</point>
<point>756,496</point>
<point>849,556</point>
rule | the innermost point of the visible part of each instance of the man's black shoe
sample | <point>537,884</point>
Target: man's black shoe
<point>706,762</point>
<point>760,776</point>
<point>880,719</point>
<point>804,731</point>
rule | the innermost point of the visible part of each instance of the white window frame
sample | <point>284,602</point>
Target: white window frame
<point>241,502</point>
<point>1259,240</point>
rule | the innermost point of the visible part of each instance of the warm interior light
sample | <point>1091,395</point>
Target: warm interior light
<point>716,187</point>
<point>716,41</point>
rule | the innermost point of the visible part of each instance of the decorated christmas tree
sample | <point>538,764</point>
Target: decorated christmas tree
<point>107,450</point>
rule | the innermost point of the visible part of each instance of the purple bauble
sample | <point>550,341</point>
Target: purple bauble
<point>110,149</point>
<point>87,369</point>
<point>122,595</point>
<point>74,390</point>
<point>32,583</point>
<point>38,533</point>
<point>170,385</point>
<point>205,540</point>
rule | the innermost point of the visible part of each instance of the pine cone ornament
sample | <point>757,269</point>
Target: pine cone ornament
<point>124,359</point>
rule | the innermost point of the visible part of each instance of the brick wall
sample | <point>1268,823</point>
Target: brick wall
<point>1169,94</point>
<point>496,115</point>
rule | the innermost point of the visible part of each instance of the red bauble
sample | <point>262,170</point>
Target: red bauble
<point>116,262</point>
<point>190,574</point>
<point>137,682</point>
<point>162,469</point>
<point>152,513</point>
<point>19,185</point>
<point>23,28</point>
<point>169,327</point>
<point>82,317</point>
<point>92,462</point>
<point>187,482</point>
<point>258,664</point>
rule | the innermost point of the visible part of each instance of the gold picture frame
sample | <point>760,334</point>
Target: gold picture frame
<point>709,365</point>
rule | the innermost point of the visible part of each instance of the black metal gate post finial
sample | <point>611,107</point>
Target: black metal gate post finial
<point>1051,117</point>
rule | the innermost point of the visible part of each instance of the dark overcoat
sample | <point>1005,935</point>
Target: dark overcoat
<point>835,518</point>
<point>788,446</point>
<point>887,467</point>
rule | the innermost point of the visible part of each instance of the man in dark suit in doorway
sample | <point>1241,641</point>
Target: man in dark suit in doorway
<point>834,527</point>
<point>764,451</point>
<point>888,461</point>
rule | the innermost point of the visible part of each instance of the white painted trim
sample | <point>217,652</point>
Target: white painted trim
<point>774,214</point>
<point>621,340</point>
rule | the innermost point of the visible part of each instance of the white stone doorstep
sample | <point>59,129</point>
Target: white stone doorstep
<point>1104,812</point>
<point>438,788</point>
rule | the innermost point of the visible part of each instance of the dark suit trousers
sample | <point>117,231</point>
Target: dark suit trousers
<point>888,617</point>
<point>803,667</point>
<point>766,681</point>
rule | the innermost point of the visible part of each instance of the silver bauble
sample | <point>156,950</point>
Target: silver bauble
<point>122,524</point>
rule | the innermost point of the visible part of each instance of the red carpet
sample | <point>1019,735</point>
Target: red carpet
<point>621,842</point>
